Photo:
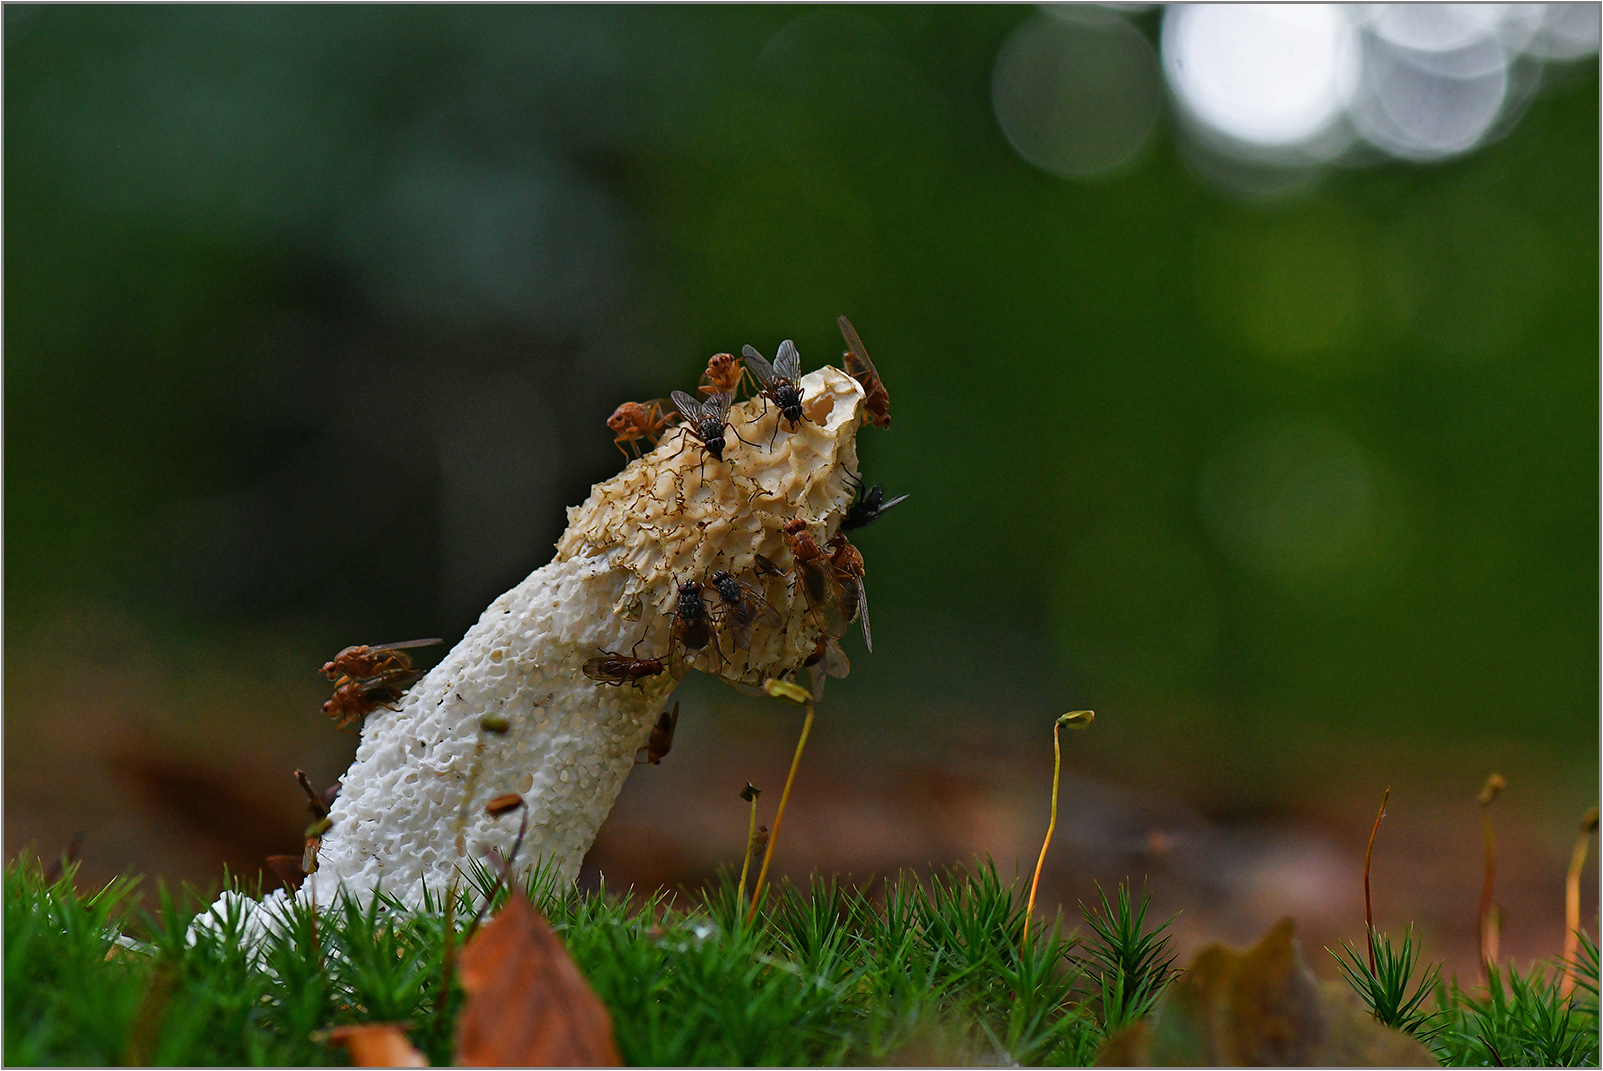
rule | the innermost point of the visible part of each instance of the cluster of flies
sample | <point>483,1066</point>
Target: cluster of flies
<point>368,677</point>
<point>830,576</point>
<point>705,421</point>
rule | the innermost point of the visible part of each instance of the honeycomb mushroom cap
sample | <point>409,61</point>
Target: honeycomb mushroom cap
<point>412,807</point>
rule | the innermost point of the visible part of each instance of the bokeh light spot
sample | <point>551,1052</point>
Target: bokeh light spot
<point>1265,74</point>
<point>1411,106</point>
<point>1567,32</point>
<point>1435,27</point>
<point>1271,92</point>
<point>1076,96</point>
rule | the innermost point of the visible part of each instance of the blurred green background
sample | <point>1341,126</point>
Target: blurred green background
<point>313,316</point>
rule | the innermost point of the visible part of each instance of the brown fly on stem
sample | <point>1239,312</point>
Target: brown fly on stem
<point>660,742</point>
<point>1074,719</point>
<point>372,659</point>
<point>356,699</point>
<point>610,667</point>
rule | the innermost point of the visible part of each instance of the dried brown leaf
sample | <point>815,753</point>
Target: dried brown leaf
<point>528,1005</point>
<point>1261,1007</point>
<point>378,1045</point>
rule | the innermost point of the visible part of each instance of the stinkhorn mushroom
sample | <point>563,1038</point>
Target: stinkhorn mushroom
<point>509,709</point>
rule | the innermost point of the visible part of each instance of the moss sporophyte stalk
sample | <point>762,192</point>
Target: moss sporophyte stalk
<point>562,680</point>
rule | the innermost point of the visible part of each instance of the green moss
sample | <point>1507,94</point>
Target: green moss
<point>910,972</point>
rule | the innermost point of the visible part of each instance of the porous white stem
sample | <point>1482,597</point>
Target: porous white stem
<point>569,744</point>
<point>426,770</point>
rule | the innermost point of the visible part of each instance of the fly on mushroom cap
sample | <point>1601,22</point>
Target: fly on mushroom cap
<point>876,401</point>
<point>610,667</point>
<point>633,421</point>
<point>820,583</point>
<point>779,382</point>
<point>692,624</point>
<point>743,609</point>
<point>371,659</point>
<point>868,505</point>
<point>724,373</point>
<point>847,562</point>
<point>706,420</point>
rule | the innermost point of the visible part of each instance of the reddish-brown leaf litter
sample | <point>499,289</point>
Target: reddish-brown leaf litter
<point>528,1005</point>
<point>378,1045</point>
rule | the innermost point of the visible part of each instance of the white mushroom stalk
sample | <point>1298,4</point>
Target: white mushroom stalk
<point>412,809</point>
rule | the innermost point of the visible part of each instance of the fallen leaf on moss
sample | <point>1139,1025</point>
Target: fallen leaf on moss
<point>1261,1007</point>
<point>377,1045</point>
<point>528,1005</point>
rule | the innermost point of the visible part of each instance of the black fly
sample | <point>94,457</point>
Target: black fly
<point>706,420</point>
<point>868,504</point>
<point>692,626</point>
<point>743,608</point>
<point>779,382</point>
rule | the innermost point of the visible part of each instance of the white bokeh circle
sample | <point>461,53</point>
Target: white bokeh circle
<point>1270,75</point>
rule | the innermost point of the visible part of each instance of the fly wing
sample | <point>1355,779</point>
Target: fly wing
<point>856,354</point>
<point>386,689</point>
<point>892,502</point>
<point>816,682</point>
<point>835,662</point>
<point>758,364</point>
<point>744,616</point>
<point>763,614</point>
<point>404,644</point>
<point>717,405</point>
<point>688,407</point>
<point>824,595</point>
<point>741,624</point>
<point>658,409</point>
<point>862,604</point>
<point>787,362</point>
<point>598,668</point>
<point>877,403</point>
